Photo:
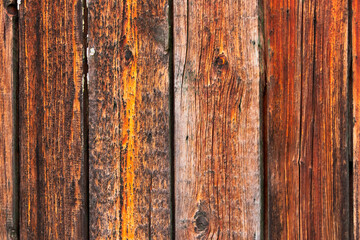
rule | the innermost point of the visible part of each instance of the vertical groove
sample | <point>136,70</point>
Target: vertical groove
<point>301,115</point>
<point>10,6</point>
<point>313,103</point>
<point>350,122</point>
<point>172,116</point>
<point>85,118</point>
<point>263,100</point>
<point>16,165</point>
<point>262,105</point>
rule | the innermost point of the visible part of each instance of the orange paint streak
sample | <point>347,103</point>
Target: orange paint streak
<point>129,82</point>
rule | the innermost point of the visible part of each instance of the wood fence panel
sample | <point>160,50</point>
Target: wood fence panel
<point>307,147</point>
<point>129,140</point>
<point>203,119</point>
<point>53,172</point>
<point>8,141</point>
<point>217,119</point>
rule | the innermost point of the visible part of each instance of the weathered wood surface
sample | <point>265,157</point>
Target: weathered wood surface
<point>52,171</point>
<point>88,119</point>
<point>307,122</point>
<point>129,139</point>
<point>282,118</point>
<point>8,141</point>
<point>217,119</point>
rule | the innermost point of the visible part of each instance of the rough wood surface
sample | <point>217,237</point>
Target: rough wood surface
<point>282,117</point>
<point>53,175</point>
<point>217,126</point>
<point>8,81</point>
<point>129,119</point>
<point>307,120</point>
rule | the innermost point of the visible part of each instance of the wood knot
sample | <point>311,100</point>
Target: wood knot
<point>221,61</point>
<point>12,234</point>
<point>11,9</point>
<point>128,55</point>
<point>201,221</point>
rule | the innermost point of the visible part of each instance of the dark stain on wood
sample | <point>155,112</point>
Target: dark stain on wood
<point>52,159</point>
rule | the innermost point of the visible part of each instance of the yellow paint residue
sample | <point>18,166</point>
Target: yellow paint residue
<point>129,81</point>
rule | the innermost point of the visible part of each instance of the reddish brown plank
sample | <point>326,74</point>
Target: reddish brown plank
<point>8,144</point>
<point>217,119</point>
<point>307,120</point>
<point>129,119</point>
<point>282,117</point>
<point>53,179</point>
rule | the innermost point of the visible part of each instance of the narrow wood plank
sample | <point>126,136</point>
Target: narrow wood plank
<point>53,176</point>
<point>129,119</point>
<point>330,218</point>
<point>282,117</point>
<point>8,144</point>
<point>217,119</point>
<point>307,120</point>
<point>356,115</point>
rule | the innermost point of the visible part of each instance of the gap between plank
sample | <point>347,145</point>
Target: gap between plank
<point>171,116</point>
<point>85,117</point>
<point>16,164</point>
<point>350,125</point>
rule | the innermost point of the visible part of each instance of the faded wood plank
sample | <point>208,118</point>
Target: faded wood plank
<point>129,119</point>
<point>307,120</point>
<point>53,174</point>
<point>217,119</point>
<point>8,144</point>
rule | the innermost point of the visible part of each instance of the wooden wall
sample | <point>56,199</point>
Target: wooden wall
<point>179,119</point>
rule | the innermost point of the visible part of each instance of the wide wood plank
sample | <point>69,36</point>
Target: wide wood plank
<point>217,119</point>
<point>307,120</point>
<point>53,175</point>
<point>129,119</point>
<point>8,140</point>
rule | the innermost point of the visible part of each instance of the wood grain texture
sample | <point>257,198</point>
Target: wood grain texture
<point>8,140</point>
<point>53,179</point>
<point>217,119</point>
<point>307,120</point>
<point>129,119</point>
<point>282,117</point>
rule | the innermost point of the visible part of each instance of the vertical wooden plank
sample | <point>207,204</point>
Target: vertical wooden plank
<point>307,136</point>
<point>53,177</point>
<point>8,81</point>
<point>356,114</point>
<point>129,119</point>
<point>282,117</point>
<point>331,150</point>
<point>328,187</point>
<point>217,119</point>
